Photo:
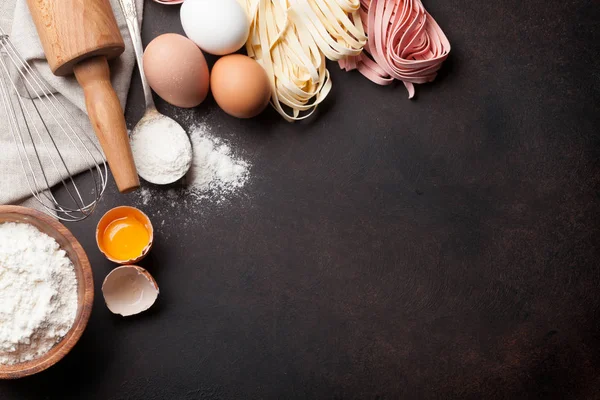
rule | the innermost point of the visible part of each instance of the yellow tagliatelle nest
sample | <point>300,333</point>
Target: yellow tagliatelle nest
<point>292,38</point>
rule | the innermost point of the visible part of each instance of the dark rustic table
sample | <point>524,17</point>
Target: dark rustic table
<point>445,247</point>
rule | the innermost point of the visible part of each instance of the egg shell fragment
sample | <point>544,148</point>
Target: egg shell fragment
<point>129,290</point>
<point>176,70</point>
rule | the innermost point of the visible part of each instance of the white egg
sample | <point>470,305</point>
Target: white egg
<point>217,26</point>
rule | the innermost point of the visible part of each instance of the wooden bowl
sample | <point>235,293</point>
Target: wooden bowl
<point>85,282</point>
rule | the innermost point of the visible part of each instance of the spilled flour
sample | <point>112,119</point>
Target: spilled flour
<point>216,174</point>
<point>214,168</point>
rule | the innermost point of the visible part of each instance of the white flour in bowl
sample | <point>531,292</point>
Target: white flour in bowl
<point>38,293</point>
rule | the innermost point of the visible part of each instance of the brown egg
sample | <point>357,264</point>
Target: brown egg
<point>240,86</point>
<point>176,69</point>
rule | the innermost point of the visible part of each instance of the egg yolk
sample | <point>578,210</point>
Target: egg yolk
<point>125,238</point>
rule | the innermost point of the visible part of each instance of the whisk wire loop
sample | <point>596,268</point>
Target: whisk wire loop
<point>41,154</point>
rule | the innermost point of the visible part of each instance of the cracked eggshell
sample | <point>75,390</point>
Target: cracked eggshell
<point>129,290</point>
<point>120,212</point>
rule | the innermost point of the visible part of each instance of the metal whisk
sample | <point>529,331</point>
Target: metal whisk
<point>40,123</point>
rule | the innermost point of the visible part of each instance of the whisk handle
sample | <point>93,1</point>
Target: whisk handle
<point>106,115</point>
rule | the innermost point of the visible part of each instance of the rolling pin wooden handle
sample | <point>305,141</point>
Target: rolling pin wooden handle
<point>106,115</point>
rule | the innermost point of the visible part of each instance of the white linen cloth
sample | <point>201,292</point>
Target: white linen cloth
<point>16,20</point>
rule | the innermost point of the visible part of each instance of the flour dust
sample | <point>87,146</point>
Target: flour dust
<point>216,176</point>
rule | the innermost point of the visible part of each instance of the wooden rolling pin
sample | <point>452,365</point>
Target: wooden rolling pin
<point>79,36</point>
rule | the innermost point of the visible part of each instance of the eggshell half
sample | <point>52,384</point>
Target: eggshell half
<point>129,290</point>
<point>119,212</point>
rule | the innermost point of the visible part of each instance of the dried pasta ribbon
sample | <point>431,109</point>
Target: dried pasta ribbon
<point>291,40</point>
<point>335,26</point>
<point>405,43</point>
